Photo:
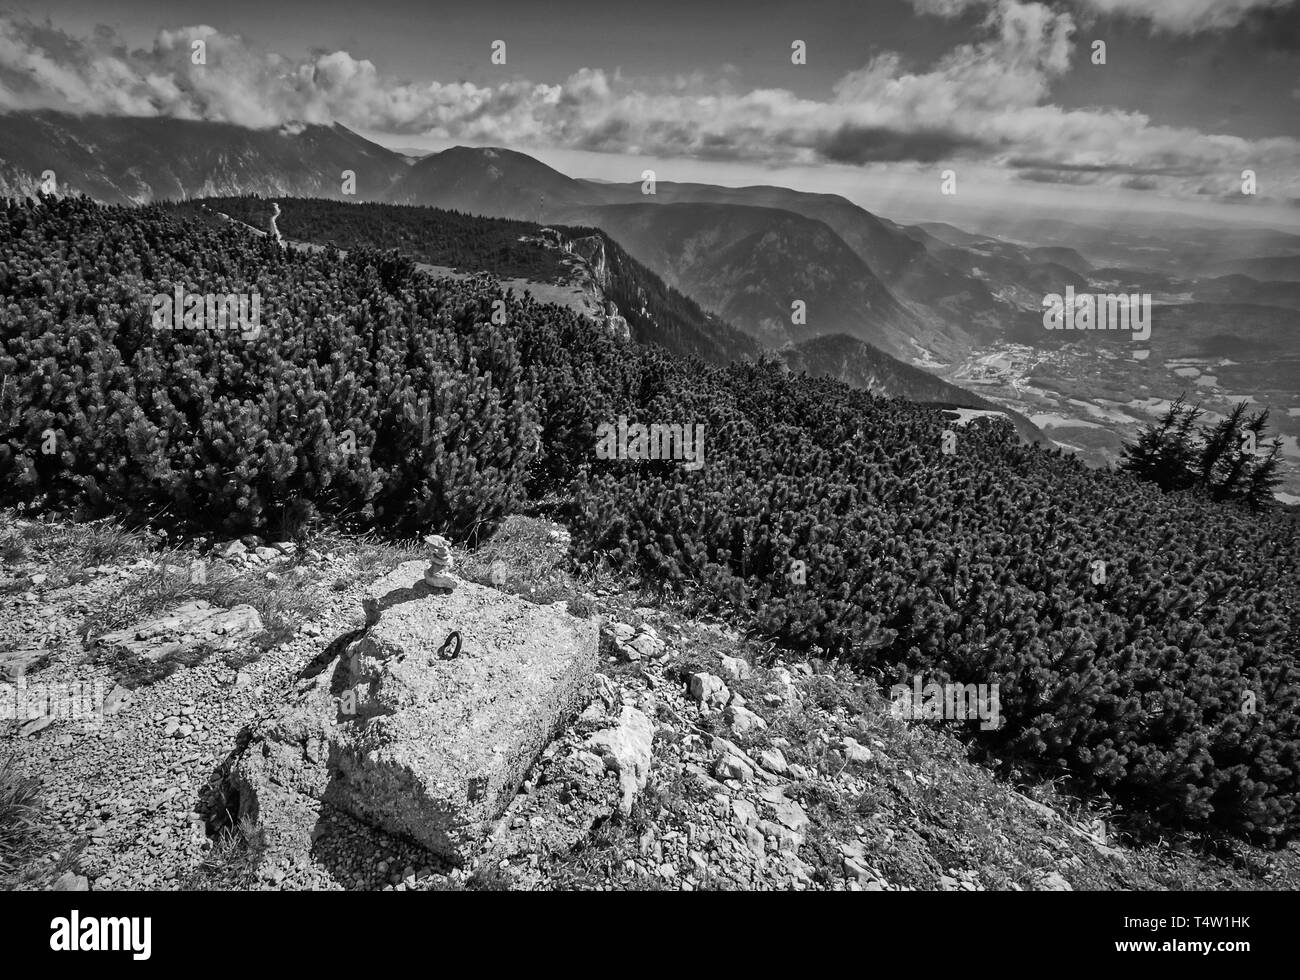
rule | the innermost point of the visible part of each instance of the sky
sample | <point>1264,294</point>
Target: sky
<point>1007,95</point>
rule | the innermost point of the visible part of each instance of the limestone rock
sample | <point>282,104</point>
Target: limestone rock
<point>736,668</point>
<point>192,624</point>
<point>785,837</point>
<point>791,815</point>
<point>709,690</point>
<point>1053,881</point>
<point>610,697</point>
<point>647,643</point>
<point>16,663</point>
<point>628,643</point>
<point>589,761</point>
<point>35,725</point>
<point>724,746</point>
<point>741,719</point>
<point>854,751</point>
<point>427,748</point>
<point>618,326</point>
<point>117,699</point>
<point>731,766</point>
<point>626,750</point>
<point>614,640</point>
<point>854,868</point>
<point>743,813</point>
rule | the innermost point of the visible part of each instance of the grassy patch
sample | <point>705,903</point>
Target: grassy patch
<point>28,833</point>
<point>232,863</point>
<point>525,557</point>
<point>582,607</point>
<point>69,548</point>
<point>487,877</point>
<point>20,818</point>
<point>292,596</point>
<point>368,556</point>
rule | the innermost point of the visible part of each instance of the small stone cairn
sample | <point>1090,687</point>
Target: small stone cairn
<point>439,573</point>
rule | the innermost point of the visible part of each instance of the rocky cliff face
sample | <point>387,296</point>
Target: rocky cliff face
<point>18,183</point>
<point>591,249</point>
<point>589,271</point>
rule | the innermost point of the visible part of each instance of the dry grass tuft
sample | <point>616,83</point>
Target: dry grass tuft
<point>525,557</point>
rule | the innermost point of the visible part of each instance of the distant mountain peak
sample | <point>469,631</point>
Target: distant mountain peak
<point>121,159</point>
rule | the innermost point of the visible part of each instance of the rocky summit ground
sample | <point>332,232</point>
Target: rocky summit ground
<point>703,758</point>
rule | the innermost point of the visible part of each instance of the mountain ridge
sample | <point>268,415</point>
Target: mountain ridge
<point>754,261</point>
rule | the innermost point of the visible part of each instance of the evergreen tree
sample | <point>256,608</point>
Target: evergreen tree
<point>1219,442</point>
<point>1264,476</point>
<point>1164,453</point>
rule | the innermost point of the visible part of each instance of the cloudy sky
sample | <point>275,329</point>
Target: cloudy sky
<point>1003,92</point>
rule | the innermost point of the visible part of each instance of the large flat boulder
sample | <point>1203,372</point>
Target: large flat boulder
<point>15,663</point>
<point>189,626</point>
<point>401,738</point>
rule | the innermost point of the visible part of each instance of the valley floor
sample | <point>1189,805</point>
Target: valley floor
<point>1090,400</point>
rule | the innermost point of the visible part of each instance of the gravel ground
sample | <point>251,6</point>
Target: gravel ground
<point>760,774</point>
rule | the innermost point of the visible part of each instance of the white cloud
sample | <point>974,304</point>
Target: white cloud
<point>1185,16</point>
<point>987,101</point>
<point>1174,16</point>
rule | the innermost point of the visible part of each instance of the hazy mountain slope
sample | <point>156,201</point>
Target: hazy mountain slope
<point>1167,243</point>
<point>934,308</point>
<point>951,235</point>
<point>132,160</point>
<point>489,181</point>
<point>1130,280</point>
<point>508,184</point>
<point>751,264</point>
<point>1058,255</point>
<point>1285,268</point>
<point>931,290</point>
<point>1011,275</point>
<point>1240,288</point>
<point>886,250</point>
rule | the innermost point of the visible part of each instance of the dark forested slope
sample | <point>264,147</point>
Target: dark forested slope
<point>656,313</point>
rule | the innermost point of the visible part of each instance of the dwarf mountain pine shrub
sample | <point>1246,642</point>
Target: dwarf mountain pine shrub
<point>391,400</point>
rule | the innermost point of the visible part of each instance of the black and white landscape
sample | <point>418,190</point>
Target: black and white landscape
<point>820,446</point>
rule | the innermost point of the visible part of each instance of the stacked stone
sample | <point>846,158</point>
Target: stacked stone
<point>439,573</point>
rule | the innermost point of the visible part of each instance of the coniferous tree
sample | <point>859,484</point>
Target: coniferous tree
<point>1164,453</point>
<point>1237,463</point>
<point>1264,477</point>
<point>1218,443</point>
